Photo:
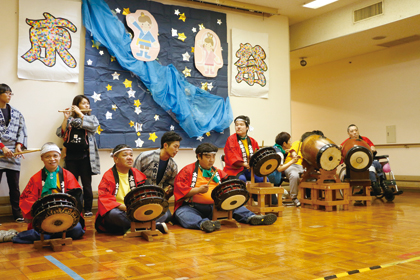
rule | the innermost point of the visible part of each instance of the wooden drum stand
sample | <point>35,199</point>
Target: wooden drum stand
<point>360,179</point>
<point>145,232</point>
<point>56,244</point>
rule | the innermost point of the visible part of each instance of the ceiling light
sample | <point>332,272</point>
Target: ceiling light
<point>318,3</point>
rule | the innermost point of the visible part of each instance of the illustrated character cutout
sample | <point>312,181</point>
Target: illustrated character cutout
<point>208,53</point>
<point>50,36</point>
<point>145,45</point>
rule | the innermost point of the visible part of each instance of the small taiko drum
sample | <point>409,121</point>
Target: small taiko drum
<point>230,195</point>
<point>146,203</point>
<point>265,161</point>
<point>321,153</point>
<point>357,155</point>
<point>54,213</point>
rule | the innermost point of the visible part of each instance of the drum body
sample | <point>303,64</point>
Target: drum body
<point>230,195</point>
<point>54,213</point>
<point>357,155</point>
<point>321,153</point>
<point>146,203</point>
<point>265,161</point>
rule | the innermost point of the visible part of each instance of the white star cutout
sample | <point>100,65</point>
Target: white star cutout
<point>139,127</point>
<point>137,110</point>
<point>200,138</point>
<point>101,52</point>
<point>156,117</point>
<point>176,12</point>
<point>186,56</point>
<point>114,107</point>
<point>222,132</point>
<point>115,76</point>
<point>251,128</point>
<point>210,86</point>
<point>219,21</point>
<point>174,32</point>
<point>131,93</point>
<point>139,143</point>
<point>172,127</point>
<point>96,96</point>
<point>108,115</point>
<point>118,10</point>
<point>194,29</point>
<point>89,62</point>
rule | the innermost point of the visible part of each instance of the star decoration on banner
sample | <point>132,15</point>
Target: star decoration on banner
<point>208,134</point>
<point>89,62</point>
<point>174,32</point>
<point>112,58</point>
<point>182,17</point>
<point>204,86</point>
<point>137,110</point>
<point>126,11</point>
<point>156,117</point>
<point>108,115</point>
<point>99,130</point>
<point>131,123</point>
<point>192,49</point>
<point>101,52</point>
<point>210,86</point>
<point>186,56</point>
<point>138,134</point>
<point>177,12</point>
<point>117,10</point>
<point>139,127</point>
<point>131,93</point>
<point>152,136</point>
<point>186,72</point>
<point>219,21</point>
<point>194,29</point>
<point>127,83</point>
<point>222,132</point>
<point>172,128</point>
<point>115,76</point>
<point>95,44</point>
<point>182,37</point>
<point>114,107</point>
<point>200,138</point>
<point>137,103</point>
<point>108,87</point>
<point>201,26</point>
<point>96,96</point>
<point>139,143</point>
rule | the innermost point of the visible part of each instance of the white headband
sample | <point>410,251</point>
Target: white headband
<point>120,150</point>
<point>209,153</point>
<point>50,148</point>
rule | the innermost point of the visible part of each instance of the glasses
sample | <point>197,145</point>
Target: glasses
<point>8,93</point>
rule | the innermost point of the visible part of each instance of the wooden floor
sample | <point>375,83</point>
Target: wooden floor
<point>303,244</point>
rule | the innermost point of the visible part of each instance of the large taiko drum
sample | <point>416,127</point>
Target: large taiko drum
<point>357,155</point>
<point>321,153</point>
<point>265,161</point>
<point>54,213</point>
<point>230,195</point>
<point>146,203</point>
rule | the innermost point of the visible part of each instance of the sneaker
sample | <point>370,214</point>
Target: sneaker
<point>268,219</point>
<point>88,214</point>
<point>162,227</point>
<point>20,220</point>
<point>7,235</point>
<point>296,202</point>
<point>217,225</point>
<point>210,226</point>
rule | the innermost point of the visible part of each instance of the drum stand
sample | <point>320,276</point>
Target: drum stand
<point>264,191</point>
<point>360,179</point>
<point>147,234</point>
<point>323,182</point>
<point>223,214</point>
<point>56,243</point>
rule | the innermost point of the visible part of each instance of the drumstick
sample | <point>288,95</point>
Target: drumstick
<point>212,176</point>
<point>23,152</point>
<point>69,110</point>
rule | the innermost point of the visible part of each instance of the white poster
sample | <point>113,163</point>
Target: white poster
<point>49,40</point>
<point>250,76</point>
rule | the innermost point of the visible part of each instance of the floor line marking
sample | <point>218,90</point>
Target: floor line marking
<point>64,268</point>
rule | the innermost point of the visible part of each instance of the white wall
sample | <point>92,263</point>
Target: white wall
<point>39,101</point>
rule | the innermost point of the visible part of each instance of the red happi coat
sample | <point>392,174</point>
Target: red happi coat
<point>233,154</point>
<point>183,182</point>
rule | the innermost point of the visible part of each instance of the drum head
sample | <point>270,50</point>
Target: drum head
<point>56,219</point>
<point>233,202</point>
<point>51,200</point>
<point>330,158</point>
<point>359,158</point>
<point>265,161</point>
<point>230,195</point>
<point>148,212</point>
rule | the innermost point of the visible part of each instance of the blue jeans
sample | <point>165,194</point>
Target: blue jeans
<point>246,175</point>
<point>29,236</point>
<point>194,214</point>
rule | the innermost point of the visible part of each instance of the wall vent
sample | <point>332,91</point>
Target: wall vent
<point>368,12</point>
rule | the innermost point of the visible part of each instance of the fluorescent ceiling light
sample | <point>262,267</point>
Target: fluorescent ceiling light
<point>318,3</point>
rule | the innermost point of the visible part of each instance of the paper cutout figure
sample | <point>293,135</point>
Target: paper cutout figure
<point>48,36</point>
<point>251,65</point>
<point>145,45</point>
<point>208,53</point>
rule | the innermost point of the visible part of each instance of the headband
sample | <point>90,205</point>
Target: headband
<point>50,148</point>
<point>120,150</point>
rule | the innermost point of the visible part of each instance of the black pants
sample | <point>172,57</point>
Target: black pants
<point>83,169</point>
<point>14,192</point>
